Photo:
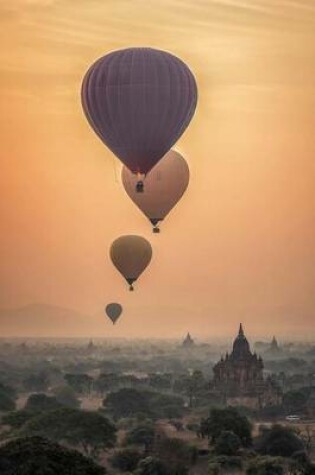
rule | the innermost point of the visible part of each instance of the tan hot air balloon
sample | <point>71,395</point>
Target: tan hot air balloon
<point>165,184</point>
<point>131,255</point>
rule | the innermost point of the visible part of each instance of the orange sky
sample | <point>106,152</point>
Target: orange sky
<point>241,244</point>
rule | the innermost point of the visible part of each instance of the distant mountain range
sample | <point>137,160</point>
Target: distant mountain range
<point>40,320</point>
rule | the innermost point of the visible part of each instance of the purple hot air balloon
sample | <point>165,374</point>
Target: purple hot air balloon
<point>139,101</point>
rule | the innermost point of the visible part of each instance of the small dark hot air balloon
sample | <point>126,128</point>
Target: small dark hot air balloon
<point>113,311</point>
<point>139,101</point>
<point>165,185</point>
<point>131,255</point>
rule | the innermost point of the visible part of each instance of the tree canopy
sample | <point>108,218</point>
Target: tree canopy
<point>36,382</point>
<point>143,434</point>
<point>11,392</point>
<point>38,456</point>
<point>17,419</point>
<point>279,441</point>
<point>41,402</point>
<point>6,402</point>
<point>126,460</point>
<point>227,443</point>
<point>88,430</point>
<point>7,398</point>
<point>228,419</point>
<point>128,402</point>
<point>295,401</point>
<point>266,466</point>
<point>151,466</point>
<point>80,382</point>
<point>176,454</point>
<point>66,396</point>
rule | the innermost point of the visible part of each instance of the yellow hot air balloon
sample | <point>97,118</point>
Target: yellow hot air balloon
<point>131,255</point>
<point>165,184</point>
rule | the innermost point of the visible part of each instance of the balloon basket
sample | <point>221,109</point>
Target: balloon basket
<point>156,230</point>
<point>140,187</point>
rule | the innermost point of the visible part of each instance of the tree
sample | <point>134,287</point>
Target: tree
<point>160,381</point>
<point>81,382</point>
<point>128,402</point>
<point>151,466</point>
<point>227,420</point>
<point>196,386</point>
<point>266,466</point>
<point>6,402</point>
<point>143,435</point>
<point>38,456</point>
<point>17,419</point>
<point>176,454</point>
<point>295,401</point>
<point>214,468</point>
<point>307,435</point>
<point>106,382</point>
<point>165,405</point>
<point>301,465</point>
<point>41,402</point>
<point>279,441</point>
<point>222,464</point>
<point>227,443</point>
<point>36,382</point>
<point>11,392</point>
<point>193,386</point>
<point>66,396</point>
<point>88,430</point>
<point>126,460</point>
<point>272,412</point>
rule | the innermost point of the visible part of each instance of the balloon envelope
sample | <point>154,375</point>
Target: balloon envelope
<point>113,311</point>
<point>165,184</point>
<point>131,255</point>
<point>139,101</point>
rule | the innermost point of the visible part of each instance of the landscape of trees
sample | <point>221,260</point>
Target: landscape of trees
<point>90,412</point>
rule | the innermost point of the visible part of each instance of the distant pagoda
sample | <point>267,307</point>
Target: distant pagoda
<point>91,346</point>
<point>188,342</point>
<point>274,347</point>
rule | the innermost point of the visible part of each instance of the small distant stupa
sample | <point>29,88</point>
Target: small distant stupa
<point>188,342</point>
<point>274,347</point>
<point>91,346</point>
<point>274,344</point>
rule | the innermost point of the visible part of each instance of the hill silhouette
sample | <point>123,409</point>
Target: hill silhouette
<point>40,320</point>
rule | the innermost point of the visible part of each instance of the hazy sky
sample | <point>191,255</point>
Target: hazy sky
<point>241,244</point>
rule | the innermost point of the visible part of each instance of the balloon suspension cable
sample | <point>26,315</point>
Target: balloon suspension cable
<point>115,171</point>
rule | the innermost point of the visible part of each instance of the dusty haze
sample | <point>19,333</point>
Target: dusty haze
<point>238,247</point>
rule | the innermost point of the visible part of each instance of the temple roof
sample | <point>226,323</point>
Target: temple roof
<point>241,348</point>
<point>188,340</point>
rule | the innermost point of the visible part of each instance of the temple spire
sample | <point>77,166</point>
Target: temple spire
<point>188,342</point>
<point>241,331</point>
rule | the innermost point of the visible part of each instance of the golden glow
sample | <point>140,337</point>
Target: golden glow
<point>240,245</point>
